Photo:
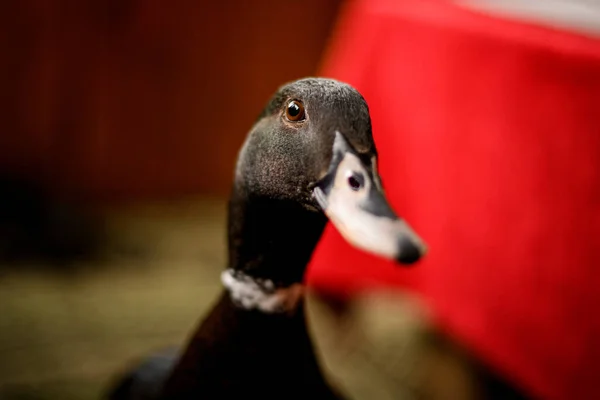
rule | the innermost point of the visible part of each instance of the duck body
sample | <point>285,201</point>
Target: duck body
<point>241,352</point>
<point>146,380</point>
<point>309,158</point>
<point>248,352</point>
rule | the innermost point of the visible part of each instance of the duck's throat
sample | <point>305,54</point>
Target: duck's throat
<point>261,295</point>
<point>271,240</point>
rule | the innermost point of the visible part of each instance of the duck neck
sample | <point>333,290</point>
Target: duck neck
<point>271,238</point>
<point>238,351</point>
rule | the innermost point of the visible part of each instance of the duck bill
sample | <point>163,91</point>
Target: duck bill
<point>352,197</point>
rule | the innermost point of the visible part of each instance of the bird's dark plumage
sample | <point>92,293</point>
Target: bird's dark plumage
<point>275,222</point>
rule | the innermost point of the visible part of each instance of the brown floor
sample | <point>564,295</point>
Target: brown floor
<point>62,336</point>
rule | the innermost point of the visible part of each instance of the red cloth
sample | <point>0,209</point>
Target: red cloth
<point>489,138</point>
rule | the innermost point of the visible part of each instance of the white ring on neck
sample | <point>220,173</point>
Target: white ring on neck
<point>253,294</point>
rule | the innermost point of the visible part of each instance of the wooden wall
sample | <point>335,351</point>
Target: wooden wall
<point>136,99</point>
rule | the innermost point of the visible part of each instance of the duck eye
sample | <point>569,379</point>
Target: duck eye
<point>295,111</point>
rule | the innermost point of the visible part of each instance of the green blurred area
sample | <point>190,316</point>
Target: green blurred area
<point>64,334</point>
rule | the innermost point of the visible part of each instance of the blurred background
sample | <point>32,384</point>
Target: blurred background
<point>121,123</point>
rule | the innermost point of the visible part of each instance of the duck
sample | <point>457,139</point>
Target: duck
<point>309,159</point>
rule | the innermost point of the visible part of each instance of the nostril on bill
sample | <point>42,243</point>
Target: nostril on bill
<point>408,251</point>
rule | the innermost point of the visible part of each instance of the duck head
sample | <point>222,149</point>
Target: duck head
<point>310,157</point>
